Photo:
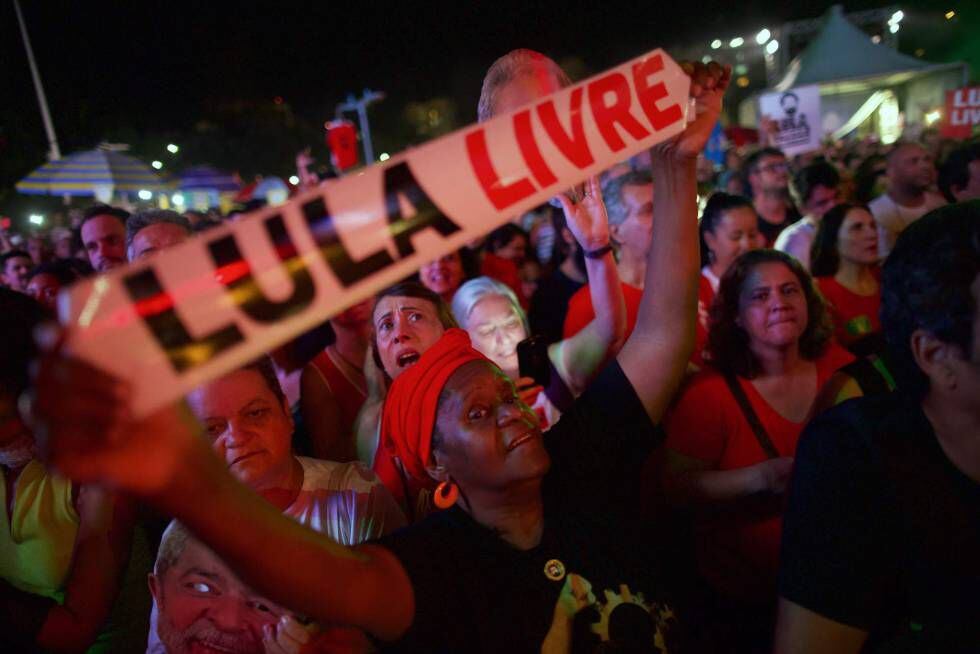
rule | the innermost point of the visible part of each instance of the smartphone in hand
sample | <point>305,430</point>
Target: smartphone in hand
<point>532,360</point>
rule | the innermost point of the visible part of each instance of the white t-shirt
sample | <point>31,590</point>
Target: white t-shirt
<point>893,218</point>
<point>345,501</point>
<point>797,239</point>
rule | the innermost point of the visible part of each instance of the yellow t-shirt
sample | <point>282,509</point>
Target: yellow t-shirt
<point>38,537</point>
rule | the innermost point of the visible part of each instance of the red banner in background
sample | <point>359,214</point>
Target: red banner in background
<point>962,115</point>
<point>342,139</point>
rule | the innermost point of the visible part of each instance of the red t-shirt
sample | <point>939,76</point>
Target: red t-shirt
<point>350,393</point>
<point>854,316</point>
<point>580,311</point>
<point>706,295</point>
<point>738,551</point>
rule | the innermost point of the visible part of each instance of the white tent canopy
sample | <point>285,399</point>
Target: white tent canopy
<point>842,51</point>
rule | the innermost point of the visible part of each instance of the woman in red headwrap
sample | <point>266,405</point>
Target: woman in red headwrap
<point>538,528</point>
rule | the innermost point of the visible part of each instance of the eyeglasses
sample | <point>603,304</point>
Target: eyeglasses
<point>780,167</point>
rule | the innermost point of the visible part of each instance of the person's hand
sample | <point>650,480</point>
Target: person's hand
<point>304,159</point>
<point>708,85</point>
<point>575,595</point>
<point>288,636</point>
<point>83,426</point>
<point>587,217</point>
<point>772,475</point>
<point>528,390</point>
<point>768,128</point>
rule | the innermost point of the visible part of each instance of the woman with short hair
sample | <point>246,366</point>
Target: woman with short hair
<point>246,419</point>
<point>492,315</point>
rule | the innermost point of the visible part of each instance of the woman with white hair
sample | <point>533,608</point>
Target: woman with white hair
<point>492,315</point>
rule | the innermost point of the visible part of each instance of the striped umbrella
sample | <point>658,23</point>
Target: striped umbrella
<point>206,178</point>
<point>93,172</point>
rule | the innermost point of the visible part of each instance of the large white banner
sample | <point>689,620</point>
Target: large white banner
<point>198,310</point>
<point>796,113</point>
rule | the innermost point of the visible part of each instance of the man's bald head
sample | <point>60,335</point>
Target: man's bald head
<point>910,168</point>
<point>516,78</point>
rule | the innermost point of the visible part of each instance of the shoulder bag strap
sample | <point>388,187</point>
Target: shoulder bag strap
<point>743,403</point>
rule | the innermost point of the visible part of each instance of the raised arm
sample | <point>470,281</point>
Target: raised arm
<point>655,356</point>
<point>87,434</point>
<point>578,358</point>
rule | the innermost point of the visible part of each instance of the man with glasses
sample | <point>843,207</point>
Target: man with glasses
<point>767,180</point>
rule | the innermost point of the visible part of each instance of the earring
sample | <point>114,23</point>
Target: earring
<point>446,495</point>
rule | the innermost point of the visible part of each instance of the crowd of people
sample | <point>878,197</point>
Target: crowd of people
<point>677,409</point>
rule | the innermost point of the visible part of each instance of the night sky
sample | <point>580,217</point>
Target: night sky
<point>161,66</point>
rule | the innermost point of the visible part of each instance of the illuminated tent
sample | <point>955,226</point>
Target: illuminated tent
<point>203,187</point>
<point>861,80</point>
<point>101,173</point>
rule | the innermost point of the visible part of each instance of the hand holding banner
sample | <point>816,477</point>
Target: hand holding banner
<point>203,308</point>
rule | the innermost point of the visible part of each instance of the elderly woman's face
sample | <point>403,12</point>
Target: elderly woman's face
<point>495,330</point>
<point>772,306</point>
<point>248,426</point>
<point>489,438</point>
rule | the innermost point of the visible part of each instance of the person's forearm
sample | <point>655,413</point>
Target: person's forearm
<point>668,311</point>
<point>101,552</point>
<point>655,356</point>
<point>606,293</point>
<point>291,564</point>
<point>705,487</point>
<point>579,357</point>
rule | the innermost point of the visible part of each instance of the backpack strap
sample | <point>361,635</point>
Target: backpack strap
<point>750,416</point>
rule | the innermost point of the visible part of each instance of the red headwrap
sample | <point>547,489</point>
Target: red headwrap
<point>409,415</point>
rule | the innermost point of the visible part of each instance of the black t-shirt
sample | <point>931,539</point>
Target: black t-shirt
<point>882,531</point>
<point>771,231</point>
<point>476,593</point>
<point>550,304</point>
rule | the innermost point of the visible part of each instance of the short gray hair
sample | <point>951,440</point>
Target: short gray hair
<point>475,290</point>
<point>172,545</point>
<point>512,65</point>
<point>143,219</point>
<point>612,193</point>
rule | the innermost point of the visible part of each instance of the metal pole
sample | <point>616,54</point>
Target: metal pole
<point>54,152</point>
<point>365,133</point>
<point>360,105</point>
